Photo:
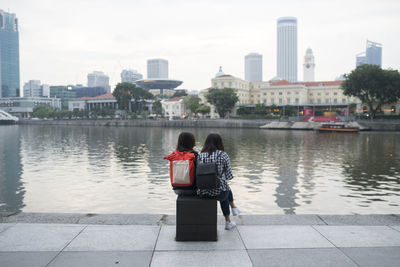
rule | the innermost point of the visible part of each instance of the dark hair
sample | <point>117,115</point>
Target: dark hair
<point>186,142</point>
<point>213,143</point>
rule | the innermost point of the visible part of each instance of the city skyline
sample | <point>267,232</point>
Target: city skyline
<point>194,39</point>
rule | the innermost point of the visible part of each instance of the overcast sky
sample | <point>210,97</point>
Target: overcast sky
<point>61,41</point>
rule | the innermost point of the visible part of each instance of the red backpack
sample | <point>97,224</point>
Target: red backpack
<point>181,168</point>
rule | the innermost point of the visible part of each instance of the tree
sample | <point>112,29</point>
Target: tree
<point>192,103</point>
<point>123,94</point>
<point>179,94</point>
<point>42,112</point>
<point>260,109</point>
<point>373,85</point>
<point>223,99</point>
<point>204,110</point>
<point>157,107</point>
<point>244,110</point>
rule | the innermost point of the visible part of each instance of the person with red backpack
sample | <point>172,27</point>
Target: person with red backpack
<point>183,165</point>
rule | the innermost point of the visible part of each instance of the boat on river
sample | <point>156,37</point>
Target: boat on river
<point>337,127</point>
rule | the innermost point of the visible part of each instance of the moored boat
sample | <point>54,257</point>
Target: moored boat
<point>336,127</point>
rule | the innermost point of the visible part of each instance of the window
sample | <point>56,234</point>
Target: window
<point>288,93</point>
<point>288,100</point>
<point>319,100</point>
<point>335,93</point>
<point>265,93</point>
<point>343,100</point>
<point>297,101</point>
<point>326,93</point>
<point>272,101</point>
<point>230,84</point>
<point>215,84</point>
<point>312,101</point>
<point>265,101</point>
<point>311,94</point>
<point>319,94</point>
<point>335,101</point>
<point>280,100</point>
<point>272,93</point>
<point>326,101</point>
<point>297,93</point>
<point>280,93</point>
<point>222,84</point>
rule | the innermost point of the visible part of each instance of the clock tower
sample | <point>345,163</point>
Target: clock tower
<point>308,66</point>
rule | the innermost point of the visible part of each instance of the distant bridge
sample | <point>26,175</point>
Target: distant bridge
<point>6,118</point>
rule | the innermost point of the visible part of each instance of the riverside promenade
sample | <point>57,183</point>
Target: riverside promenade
<point>39,239</point>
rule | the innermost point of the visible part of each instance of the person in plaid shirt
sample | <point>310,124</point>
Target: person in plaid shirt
<point>213,151</point>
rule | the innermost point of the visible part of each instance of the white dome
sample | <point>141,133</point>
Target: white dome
<point>219,73</point>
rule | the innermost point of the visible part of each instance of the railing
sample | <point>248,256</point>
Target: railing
<point>4,116</point>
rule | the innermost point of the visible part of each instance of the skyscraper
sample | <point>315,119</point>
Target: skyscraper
<point>33,88</point>
<point>9,55</point>
<point>157,68</point>
<point>308,66</point>
<point>372,54</point>
<point>99,79</point>
<point>130,76</point>
<point>287,49</point>
<point>253,67</point>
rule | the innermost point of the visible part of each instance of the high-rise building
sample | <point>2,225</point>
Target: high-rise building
<point>287,49</point>
<point>9,55</point>
<point>130,76</point>
<point>308,66</point>
<point>33,88</point>
<point>372,54</point>
<point>65,93</point>
<point>253,67</point>
<point>99,79</point>
<point>157,68</point>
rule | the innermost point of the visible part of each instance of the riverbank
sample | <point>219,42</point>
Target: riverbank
<point>148,240</point>
<point>248,124</point>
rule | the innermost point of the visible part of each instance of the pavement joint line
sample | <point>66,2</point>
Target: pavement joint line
<point>155,245</point>
<point>391,226</point>
<point>66,246</point>
<point>335,246</point>
<point>244,245</point>
<point>318,216</point>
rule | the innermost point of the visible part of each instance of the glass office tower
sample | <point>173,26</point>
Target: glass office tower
<point>9,55</point>
<point>287,49</point>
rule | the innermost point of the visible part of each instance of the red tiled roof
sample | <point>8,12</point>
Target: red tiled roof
<point>224,76</point>
<point>281,82</point>
<point>326,83</point>
<point>84,98</point>
<point>105,96</point>
<point>174,99</point>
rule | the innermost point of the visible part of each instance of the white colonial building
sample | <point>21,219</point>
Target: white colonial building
<point>324,94</point>
<point>174,108</point>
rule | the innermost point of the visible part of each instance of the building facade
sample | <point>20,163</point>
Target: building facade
<point>372,54</point>
<point>23,106</point>
<point>324,95</point>
<point>174,108</point>
<point>83,91</point>
<point>64,93</point>
<point>9,55</point>
<point>253,67</point>
<point>309,66</point>
<point>287,49</point>
<point>157,68</point>
<point>99,79</point>
<point>130,76</point>
<point>33,88</point>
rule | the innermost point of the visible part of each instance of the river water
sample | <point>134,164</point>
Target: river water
<point>121,170</point>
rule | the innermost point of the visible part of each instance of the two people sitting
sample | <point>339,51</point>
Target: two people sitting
<point>213,151</point>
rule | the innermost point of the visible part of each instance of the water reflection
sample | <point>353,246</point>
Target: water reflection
<point>11,187</point>
<point>121,170</point>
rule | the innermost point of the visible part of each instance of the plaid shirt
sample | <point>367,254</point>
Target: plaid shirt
<point>224,168</point>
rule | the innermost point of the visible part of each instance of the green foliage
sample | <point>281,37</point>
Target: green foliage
<point>290,110</point>
<point>223,100</point>
<point>157,107</point>
<point>124,92</point>
<point>43,112</point>
<point>245,110</point>
<point>373,85</point>
<point>179,94</point>
<point>192,103</point>
<point>260,109</point>
<point>204,110</point>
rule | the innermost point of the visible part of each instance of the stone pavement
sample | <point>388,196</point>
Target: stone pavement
<point>148,240</point>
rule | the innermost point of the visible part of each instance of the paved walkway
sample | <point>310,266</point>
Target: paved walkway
<point>148,240</point>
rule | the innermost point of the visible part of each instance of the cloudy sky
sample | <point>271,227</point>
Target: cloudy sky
<point>61,41</point>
